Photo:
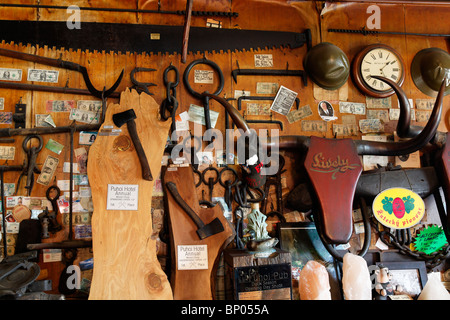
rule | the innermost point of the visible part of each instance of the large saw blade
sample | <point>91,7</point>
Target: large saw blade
<point>141,38</point>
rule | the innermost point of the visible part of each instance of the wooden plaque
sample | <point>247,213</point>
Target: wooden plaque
<point>126,265</point>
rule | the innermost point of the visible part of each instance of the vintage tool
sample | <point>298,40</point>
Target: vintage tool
<point>199,276</point>
<point>198,95</point>
<point>271,121</point>
<point>269,72</point>
<point>228,184</point>
<point>36,87</point>
<point>141,86</point>
<point>327,162</point>
<point>174,12</point>
<point>52,194</point>
<point>274,180</point>
<point>65,65</point>
<point>170,103</point>
<point>31,166</point>
<point>127,117</point>
<point>187,27</point>
<point>19,115</point>
<point>211,180</point>
<point>204,230</point>
<point>366,32</point>
<point>120,37</point>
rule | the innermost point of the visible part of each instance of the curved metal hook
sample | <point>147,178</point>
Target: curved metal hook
<point>97,93</point>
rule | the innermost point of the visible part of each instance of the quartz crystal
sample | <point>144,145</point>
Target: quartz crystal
<point>356,278</point>
<point>314,282</point>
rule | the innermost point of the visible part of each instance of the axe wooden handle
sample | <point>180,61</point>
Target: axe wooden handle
<point>187,26</point>
<point>146,172</point>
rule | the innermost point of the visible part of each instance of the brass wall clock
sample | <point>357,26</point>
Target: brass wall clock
<point>377,60</point>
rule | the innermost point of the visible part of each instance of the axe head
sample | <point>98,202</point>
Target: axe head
<point>210,229</point>
<point>121,118</point>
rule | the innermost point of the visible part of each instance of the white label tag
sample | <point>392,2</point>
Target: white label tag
<point>192,257</point>
<point>122,197</point>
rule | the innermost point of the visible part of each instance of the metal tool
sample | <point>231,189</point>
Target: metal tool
<point>102,94</point>
<point>203,231</point>
<point>187,27</point>
<point>274,180</point>
<point>52,194</point>
<point>36,87</point>
<point>99,9</point>
<point>269,72</point>
<point>127,117</point>
<point>211,180</point>
<point>141,86</point>
<point>366,32</point>
<point>121,37</point>
<point>170,103</point>
<point>198,95</point>
<point>30,168</point>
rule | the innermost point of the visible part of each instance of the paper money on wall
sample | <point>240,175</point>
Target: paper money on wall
<point>39,75</point>
<point>48,170</point>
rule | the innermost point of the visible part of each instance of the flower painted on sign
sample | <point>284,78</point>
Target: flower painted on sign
<point>398,206</point>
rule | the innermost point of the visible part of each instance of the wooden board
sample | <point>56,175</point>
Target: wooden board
<point>126,265</point>
<point>195,284</point>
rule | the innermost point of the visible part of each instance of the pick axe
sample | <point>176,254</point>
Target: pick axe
<point>203,231</point>
<point>128,117</point>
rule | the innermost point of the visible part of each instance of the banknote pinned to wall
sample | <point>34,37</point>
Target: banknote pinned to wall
<point>371,126</point>
<point>343,129</point>
<point>352,107</point>
<point>8,74</point>
<point>48,170</point>
<point>2,103</point>
<point>7,152</point>
<point>425,104</point>
<point>301,113</point>
<point>258,109</point>
<point>44,120</point>
<point>394,114</point>
<point>377,103</point>
<point>59,105</point>
<point>314,125</point>
<point>383,115</point>
<point>89,105</point>
<point>84,116</point>
<point>40,75</point>
<point>6,117</point>
<point>266,87</point>
<point>422,115</point>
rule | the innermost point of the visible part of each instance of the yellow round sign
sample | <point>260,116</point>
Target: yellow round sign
<point>398,208</point>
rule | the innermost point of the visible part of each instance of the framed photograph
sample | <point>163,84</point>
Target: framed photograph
<point>303,242</point>
<point>410,275</point>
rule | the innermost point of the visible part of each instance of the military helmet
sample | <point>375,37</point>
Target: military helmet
<point>327,65</point>
<point>428,69</point>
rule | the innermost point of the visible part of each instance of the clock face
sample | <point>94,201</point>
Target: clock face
<point>381,62</point>
<point>377,60</point>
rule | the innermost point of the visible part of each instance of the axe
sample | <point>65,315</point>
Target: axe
<point>128,117</point>
<point>203,231</point>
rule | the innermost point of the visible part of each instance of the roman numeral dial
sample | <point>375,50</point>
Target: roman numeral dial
<point>377,60</point>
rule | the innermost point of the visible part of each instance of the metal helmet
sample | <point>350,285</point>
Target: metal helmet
<point>428,69</point>
<point>327,65</point>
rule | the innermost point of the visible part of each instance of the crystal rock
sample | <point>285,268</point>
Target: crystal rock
<point>314,282</point>
<point>356,278</point>
<point>434,290</point>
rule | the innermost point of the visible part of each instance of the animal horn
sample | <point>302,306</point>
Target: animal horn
<point>407,146</point>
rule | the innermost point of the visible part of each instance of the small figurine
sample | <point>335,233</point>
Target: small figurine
<point>383,286</point>
<point>259,243</point>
